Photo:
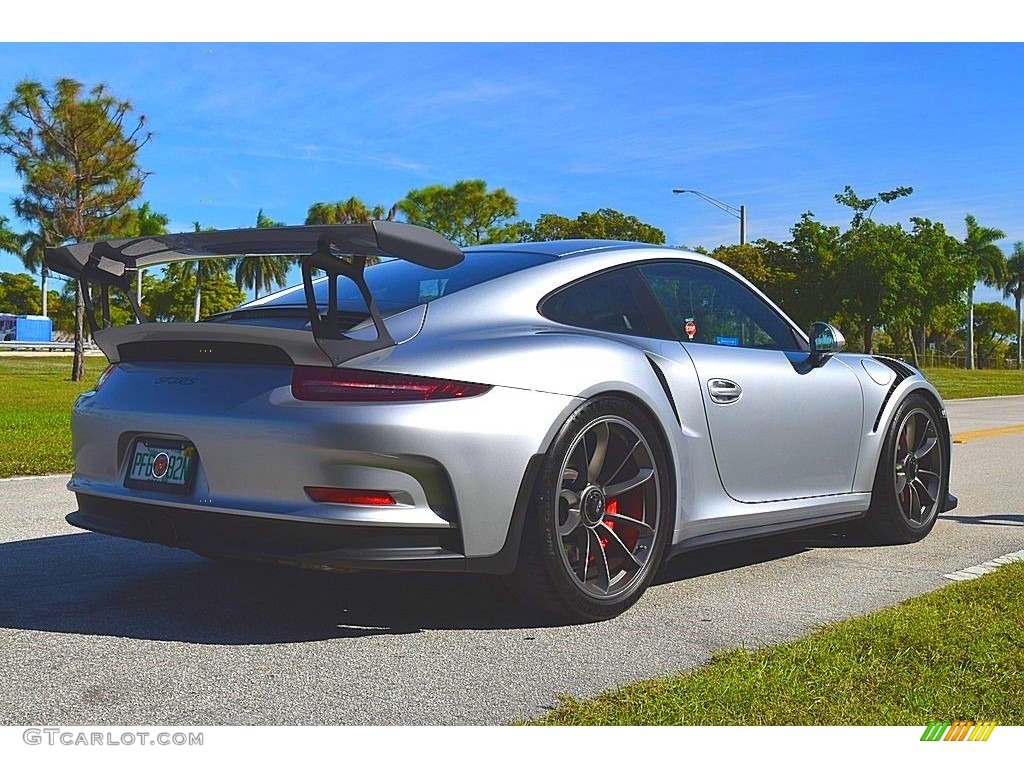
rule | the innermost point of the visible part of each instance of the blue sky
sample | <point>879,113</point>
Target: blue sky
<point>566,127</point>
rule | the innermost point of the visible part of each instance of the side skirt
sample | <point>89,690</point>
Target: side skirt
<point>760,531</point>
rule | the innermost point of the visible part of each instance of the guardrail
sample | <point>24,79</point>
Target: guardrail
<point>38,346</point>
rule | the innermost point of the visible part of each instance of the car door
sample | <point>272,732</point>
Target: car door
<point>780,428</point>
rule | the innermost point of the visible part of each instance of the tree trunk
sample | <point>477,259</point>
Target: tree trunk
<point>199,294</point>
<point>1019,329</point>
<point>913,348</point>
<point>259,281</point>
<point>970,328</point>
<point>922,345</point>
<point>138,287</point>
<point>45,302</point>
<point>78,361</point>
<point>869,332</point>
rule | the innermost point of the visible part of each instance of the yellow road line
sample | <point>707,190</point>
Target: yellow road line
<point>978,434</point>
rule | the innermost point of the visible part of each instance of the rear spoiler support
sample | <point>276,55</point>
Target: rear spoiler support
<point>325,327</point>
<point>110,263</point>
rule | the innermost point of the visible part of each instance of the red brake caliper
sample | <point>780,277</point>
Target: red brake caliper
<point>628,534</point>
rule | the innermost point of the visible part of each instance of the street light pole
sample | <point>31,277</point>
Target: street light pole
<point>739,213</point>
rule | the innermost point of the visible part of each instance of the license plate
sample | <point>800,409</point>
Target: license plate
<point>161,465</point>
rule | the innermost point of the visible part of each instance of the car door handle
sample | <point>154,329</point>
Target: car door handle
<point>723,391</point>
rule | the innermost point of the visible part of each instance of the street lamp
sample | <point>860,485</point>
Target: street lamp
<point>739,213</point>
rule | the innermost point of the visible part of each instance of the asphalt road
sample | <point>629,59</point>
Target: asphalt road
<point>95,630</point>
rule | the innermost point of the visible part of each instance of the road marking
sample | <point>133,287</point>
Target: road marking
<point>978,434</point>
<point>973,572</point>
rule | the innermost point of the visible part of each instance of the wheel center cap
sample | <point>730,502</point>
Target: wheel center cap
<point>911,466</point>
<point>592,506</point>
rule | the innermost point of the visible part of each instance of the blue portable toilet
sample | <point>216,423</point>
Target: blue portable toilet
<point>33,328</point>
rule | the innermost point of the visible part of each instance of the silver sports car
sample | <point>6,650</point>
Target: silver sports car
<point>564,415</point>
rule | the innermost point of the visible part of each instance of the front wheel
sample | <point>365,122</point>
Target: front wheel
<point>600,516</point>
<point>912,477</point>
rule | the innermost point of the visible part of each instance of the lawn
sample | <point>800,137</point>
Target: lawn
<point>35,407</point>
<point>957,382</point>
<point>957,653</point>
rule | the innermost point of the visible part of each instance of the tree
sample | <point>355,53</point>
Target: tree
<point>18,294</point>
<point>1013,285</point>
<point>77,160</point>
<point>136,222</point>
<point>10,241</point>
<point>173,297</point>
<point>874,277</point>
<point>803,271</point>
<point>987,265</point>
<point>603,224</point>
<point>750,260</point>
<point>994,324</point>
<point>196,274</point>
<point>262,273</point>
<point>351,211</point>
<point>466,213</point>
<point>943,275</point>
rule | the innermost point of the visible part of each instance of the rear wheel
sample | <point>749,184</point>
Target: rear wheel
<point>600,515</point>
<point>912,477</point>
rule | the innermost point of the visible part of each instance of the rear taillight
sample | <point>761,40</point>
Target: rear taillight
<point>348,385</point>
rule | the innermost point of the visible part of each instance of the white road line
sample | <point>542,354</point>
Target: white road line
<point>33,477</point>
<point>988,566</point>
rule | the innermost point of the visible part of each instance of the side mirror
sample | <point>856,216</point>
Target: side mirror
<point>826,340</point>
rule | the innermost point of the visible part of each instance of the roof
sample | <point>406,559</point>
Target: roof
<point>563,248</point>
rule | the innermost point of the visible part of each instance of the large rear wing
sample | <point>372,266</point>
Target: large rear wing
<point>114,263</point>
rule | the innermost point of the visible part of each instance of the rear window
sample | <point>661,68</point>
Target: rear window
<point>398,285</point>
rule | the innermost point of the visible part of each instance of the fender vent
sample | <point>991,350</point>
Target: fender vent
<point>902,371</point>
<point>664,385</point>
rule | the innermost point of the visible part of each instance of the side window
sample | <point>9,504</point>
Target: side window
<point>610,301</point>
<point>707,306</point>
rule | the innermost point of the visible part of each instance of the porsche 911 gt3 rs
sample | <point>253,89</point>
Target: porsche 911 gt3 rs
<point>564,415</point>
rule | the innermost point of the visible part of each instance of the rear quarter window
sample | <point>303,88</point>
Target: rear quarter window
<point>611,301</point>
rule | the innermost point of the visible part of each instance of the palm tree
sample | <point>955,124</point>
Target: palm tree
<point>10,241</point>
<point>989,264</point>
<point>1013,285</point>
<point>351,211</point>
<point>147,222</point>
<point>33,246</point>
<point>199,270</point>
<point>262,273</point>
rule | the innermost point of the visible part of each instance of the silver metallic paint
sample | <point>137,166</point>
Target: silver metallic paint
<point>797,448</point>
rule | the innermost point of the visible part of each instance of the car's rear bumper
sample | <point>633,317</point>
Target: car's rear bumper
<point>302,543</point>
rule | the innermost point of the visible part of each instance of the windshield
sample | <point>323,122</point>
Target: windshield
<point>398,285</point>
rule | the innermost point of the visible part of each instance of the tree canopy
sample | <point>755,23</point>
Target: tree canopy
<point>76,153</point>
<point>467,213</point>
<point>603,224</point>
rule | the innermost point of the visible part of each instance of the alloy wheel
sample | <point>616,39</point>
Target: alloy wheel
<point>917,468</point>
<point>608,507</point>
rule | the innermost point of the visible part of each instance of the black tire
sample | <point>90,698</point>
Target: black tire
<point>887,520</point>
<point>544,579</point>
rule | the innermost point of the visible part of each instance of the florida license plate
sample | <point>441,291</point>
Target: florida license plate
<point>161,465</point>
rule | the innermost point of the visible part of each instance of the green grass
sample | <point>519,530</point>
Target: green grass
<point>35,409</point>
<point>957,653</point>
<point>956,382</point>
